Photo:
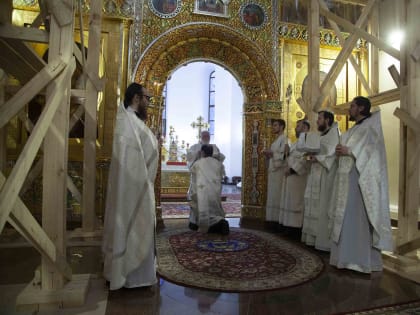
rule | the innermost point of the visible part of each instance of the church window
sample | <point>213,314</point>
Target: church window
<point>212,103</point>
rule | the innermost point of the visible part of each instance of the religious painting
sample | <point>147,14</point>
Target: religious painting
<point>212,7</point>
<point>165,8</point>
<point>253,15</point>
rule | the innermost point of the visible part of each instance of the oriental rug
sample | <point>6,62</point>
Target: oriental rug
<point>178,210</point>
<point>409,308</point>
<point>243,261</point>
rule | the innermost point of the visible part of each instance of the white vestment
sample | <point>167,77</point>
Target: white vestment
<point>128,238</point>
<point>293,204</point>
<point>208,173</point>
<point>193,155</point>
<point>276,167</point>
<point>318,192</point>
<point>361,225</point>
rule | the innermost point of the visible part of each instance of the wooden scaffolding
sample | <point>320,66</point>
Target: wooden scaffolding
<point>404,260</point>
<point>46,149</point>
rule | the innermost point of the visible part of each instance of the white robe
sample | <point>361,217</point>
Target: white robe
<point>361,225</point>
<point>293,203</point>
<point>276,167</point>
<point>193,155</point>
<point>208,173</point>
<point>128,238</point>
<point>318,192</point>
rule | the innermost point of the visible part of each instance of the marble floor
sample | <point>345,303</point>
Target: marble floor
<point>333,292</point>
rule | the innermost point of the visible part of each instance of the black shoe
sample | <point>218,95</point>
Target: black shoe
<point>224,227</point>
<point>193,226</point>
<point>221,227</point>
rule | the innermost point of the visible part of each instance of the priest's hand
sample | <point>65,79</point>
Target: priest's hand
<point>341,150</point>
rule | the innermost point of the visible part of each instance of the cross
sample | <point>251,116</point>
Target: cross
<point>199,124</point>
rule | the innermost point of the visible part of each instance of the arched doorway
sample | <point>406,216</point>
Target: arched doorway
<point>230,49</point>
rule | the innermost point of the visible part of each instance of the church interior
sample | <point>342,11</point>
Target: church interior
<point>227,66</point>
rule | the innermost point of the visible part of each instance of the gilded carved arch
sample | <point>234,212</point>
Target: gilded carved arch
<point>212,42</point>
<point>244,60</point>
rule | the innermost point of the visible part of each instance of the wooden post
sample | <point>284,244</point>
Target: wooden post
<point>410,140</point>
<point>56,148</point>
<point>313,59</point>
<point>89,153</point>
<point>343,55</point>
<point>3,132</point>
<point>6,9</point>
<point>373,27</point>
<point>354,63</point>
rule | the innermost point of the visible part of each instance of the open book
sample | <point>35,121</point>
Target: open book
<point>309,142</point>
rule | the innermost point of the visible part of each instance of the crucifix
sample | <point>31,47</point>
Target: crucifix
<point>200,124</point>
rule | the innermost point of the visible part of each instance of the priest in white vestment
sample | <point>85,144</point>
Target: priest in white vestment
<point>320,184</point>
<point>208,173</point>
<point>129,229</point>
<point>276,167</point>
<point>293,204</point>
<point>194,154</point>
<point>361,226</point>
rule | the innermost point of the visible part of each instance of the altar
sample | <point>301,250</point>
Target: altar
<point>175,182</point>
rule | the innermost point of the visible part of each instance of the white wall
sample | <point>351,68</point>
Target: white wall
<point>187,99</point>
<point>228,125</point>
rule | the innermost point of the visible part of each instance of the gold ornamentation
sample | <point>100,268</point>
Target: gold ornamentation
<point>297,32</point>
<point>212,42</point>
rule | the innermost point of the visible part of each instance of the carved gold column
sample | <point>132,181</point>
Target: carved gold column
<point>154,120</point>
<point>125,71</point>
<point>257,127</point>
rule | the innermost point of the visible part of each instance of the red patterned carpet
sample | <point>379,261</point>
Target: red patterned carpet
<point>243,261</point>
<point>173,210</point>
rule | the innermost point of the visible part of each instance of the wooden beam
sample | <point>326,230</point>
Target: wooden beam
<point>354,63</point>
<point>408,247</point>
<point>23,33</point>
<point>37,169</point>
<point>29,90</point>
<point>10,190</point>
<point>20,60</point>
<point>373,27</point>
<point>356,30</point>
<point>96,81</point>
<point>76,116</point>
<point>43,11</point>
<point>355,2</point>
<point>77,93</point>
<point>408,120</point>
<point>32,175</point>
<point>313,59</point>
<point>23,221</point>
<point>54,194</point>
<point>6,9</point>
<point>415,54</point>
<point>3,131</point>
<point>62,11</point>
<point>341,59</point>
<point>89,152</point>
<point>375,100</point>
<point>37,22</point>
<point>395,75</point>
